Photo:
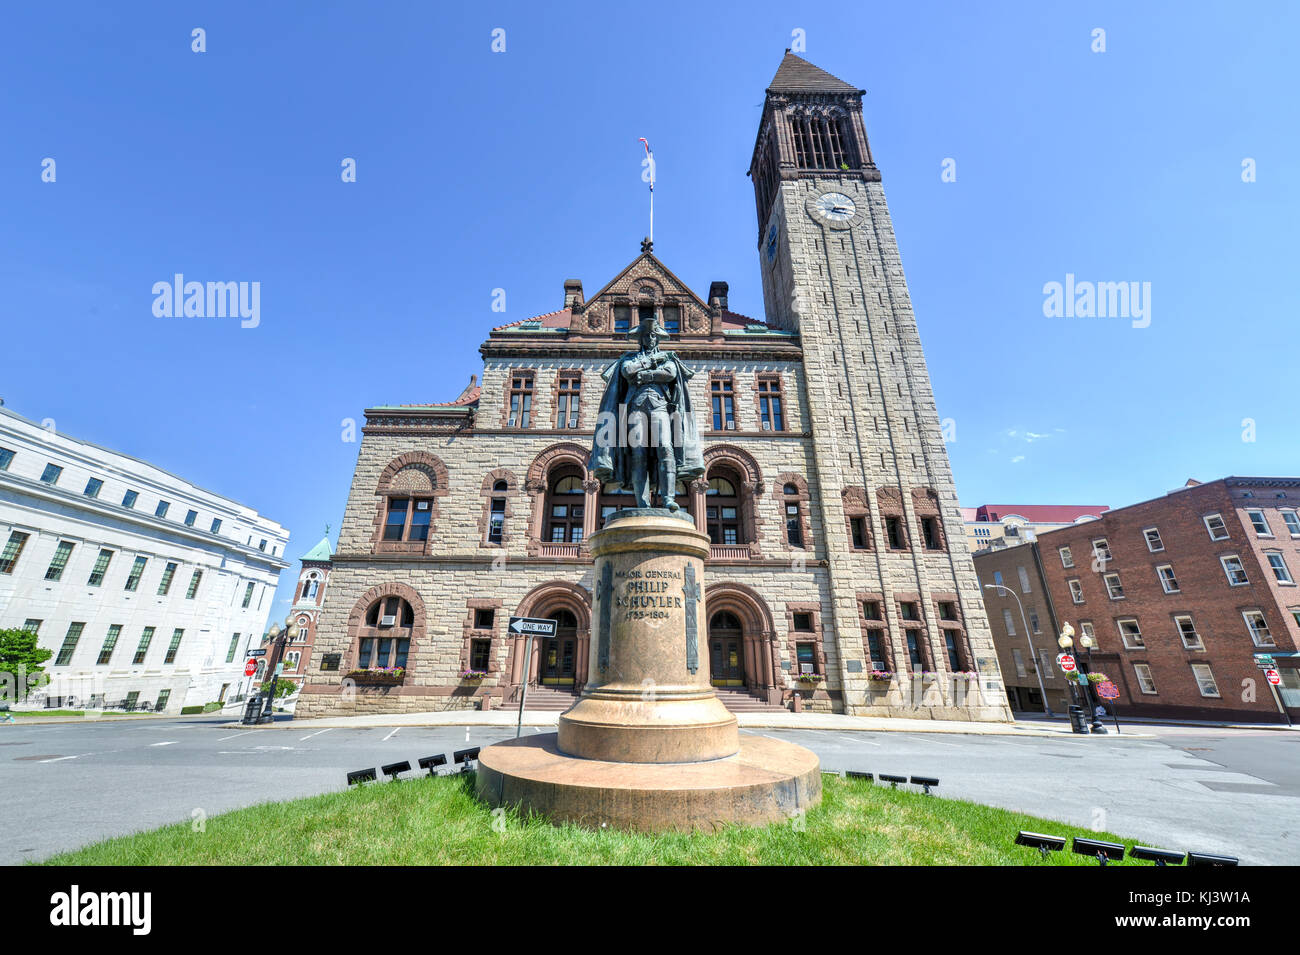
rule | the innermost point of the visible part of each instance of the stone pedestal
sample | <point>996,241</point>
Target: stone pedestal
<point>649,746</point>
<point>648,697</point>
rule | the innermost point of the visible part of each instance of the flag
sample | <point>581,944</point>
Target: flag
<point>648,164</point>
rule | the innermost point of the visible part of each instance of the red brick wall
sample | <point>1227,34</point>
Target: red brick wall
<point>1204,594</point>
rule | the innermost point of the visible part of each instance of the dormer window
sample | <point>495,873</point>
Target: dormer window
<point>622,319</point>
<point>672,319</point>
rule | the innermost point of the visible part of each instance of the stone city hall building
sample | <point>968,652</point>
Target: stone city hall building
<point>839,568</point>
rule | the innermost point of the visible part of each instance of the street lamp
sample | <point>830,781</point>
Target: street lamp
<point>278,639</point>
<point>1033,654</point>
<point>1094,721</point>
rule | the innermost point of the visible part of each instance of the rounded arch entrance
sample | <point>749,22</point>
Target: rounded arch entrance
<point>560,663</point>
<point>740,622</point>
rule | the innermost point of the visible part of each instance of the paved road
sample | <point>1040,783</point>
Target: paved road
<point>1230,791</point>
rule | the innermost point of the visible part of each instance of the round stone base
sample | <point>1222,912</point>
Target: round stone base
<point>767,781</point>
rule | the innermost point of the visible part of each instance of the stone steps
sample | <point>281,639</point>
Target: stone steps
<point>741,701</point>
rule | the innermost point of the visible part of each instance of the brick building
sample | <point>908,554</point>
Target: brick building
<point>308,600</point>
<point>1024,626</point>
<point>1181,592</point>
<point>838,547</point>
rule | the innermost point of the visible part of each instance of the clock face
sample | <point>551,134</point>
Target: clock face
<point>836,206</point>
<point>772,233</point>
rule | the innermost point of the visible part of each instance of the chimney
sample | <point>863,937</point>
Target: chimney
<point>718,295</point>
<point>573,294</point>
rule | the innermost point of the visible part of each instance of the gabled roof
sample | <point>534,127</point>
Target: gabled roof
<point>666,270</point>
<point>797,75</point>
<point>322,551</point>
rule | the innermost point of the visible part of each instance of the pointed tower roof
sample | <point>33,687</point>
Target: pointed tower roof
<point>322,551</point>
<point>797,75</point>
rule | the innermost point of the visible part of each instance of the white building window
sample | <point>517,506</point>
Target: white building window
<point>1205,680</point>
<point>1114,587</point>
<point>1019,659</point>
<point>1214,524</point>
<point>1277,563</point>
<point>1258,627</point>
<point>1076,591</point>
<point>1292,521</point>
<point>1085,628</point>
<point>1187,630</point>
<point>1009,623</point>
<point>1259,522</point>
<point>1131,634</point>
<point>1067,560</point>
<point>1234,571</point>
<point>1024,580</point>
<point>1154,543</point>
<point>1101,551</point>
<point>1167,579</point>
<point>1145,682</point>
<point>1045,665</point>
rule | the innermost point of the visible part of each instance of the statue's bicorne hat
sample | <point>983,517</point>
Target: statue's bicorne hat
<point>649,323</point>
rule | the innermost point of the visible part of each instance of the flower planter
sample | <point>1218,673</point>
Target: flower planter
<point>377,677</point>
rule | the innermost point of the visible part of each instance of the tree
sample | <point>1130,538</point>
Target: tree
<point>283,687</point>
<point>20,661</point>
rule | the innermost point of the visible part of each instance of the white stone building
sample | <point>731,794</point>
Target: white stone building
<point>146,587</point>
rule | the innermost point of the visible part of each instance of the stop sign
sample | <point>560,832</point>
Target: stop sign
<point>1273,677</point>
<point>250,668</point>
<point>1067,662</point>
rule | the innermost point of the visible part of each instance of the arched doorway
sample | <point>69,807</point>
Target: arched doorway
<point>558,655</point>
<point>726,650</point>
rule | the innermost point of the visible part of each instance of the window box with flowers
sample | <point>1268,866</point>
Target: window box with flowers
<point>809,681</point>
<point>378,676</point>
<point>880,676</point>
<point>472,676</point>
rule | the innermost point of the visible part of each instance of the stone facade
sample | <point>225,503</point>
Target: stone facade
<point>844,496</point>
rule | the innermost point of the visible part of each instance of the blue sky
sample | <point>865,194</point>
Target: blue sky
<point>479,170</point>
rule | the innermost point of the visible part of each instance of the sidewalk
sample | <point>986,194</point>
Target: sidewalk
<point>783,721</point>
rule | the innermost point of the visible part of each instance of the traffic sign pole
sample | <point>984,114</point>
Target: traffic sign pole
<point>529,627</point>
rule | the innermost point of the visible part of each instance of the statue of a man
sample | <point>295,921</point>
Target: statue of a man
<point>646,432</point>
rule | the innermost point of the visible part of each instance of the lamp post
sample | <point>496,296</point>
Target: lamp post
<point>278,638</point>
<point>1094,721</point>
<point>1033,654</point>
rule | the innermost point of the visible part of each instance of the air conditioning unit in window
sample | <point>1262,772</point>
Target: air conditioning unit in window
<point>388,620</point>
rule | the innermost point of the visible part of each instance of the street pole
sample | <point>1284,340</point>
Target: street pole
<point>523,691</point>
<point>1038,669</point>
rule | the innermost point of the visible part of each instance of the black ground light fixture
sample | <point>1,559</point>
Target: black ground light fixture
<point>393,769</point>
<point>361,776</point>
<point>1158,856</point>
<point>1040,841</point>
<point>464,757</point>
<point>892,780</point>
<point>858,774</point>
<point>1206,858</point>
<point>925,782</point>
<point>1103,852</point>
<point>431,763</point>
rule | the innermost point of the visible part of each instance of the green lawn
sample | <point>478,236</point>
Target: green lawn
<point>425,821</point>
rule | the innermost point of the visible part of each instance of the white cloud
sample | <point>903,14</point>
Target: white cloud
<point>1017,459</point>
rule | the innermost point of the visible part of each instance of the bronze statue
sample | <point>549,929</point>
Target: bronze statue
<point>646,431</point>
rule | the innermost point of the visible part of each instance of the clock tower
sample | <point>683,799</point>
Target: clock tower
<point>904,595</point>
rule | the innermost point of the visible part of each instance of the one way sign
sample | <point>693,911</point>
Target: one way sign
<point>534,626</point>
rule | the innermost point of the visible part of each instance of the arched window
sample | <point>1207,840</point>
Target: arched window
<point>385,639</point>
<point>793,521</point>
<point>310,586</point>
<point>722,509</point>
<point>497,514</point>
<point>564,507</point>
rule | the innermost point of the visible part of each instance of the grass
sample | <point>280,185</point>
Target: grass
<point>438,821</point>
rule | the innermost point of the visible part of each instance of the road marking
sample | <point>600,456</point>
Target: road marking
<point>59,759</point>
<point>937,742</point>
<point>390,735</point>
<point>863,739</point>
<point>224,738</point>
<point>317,733</point>
<point>170,742</point>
